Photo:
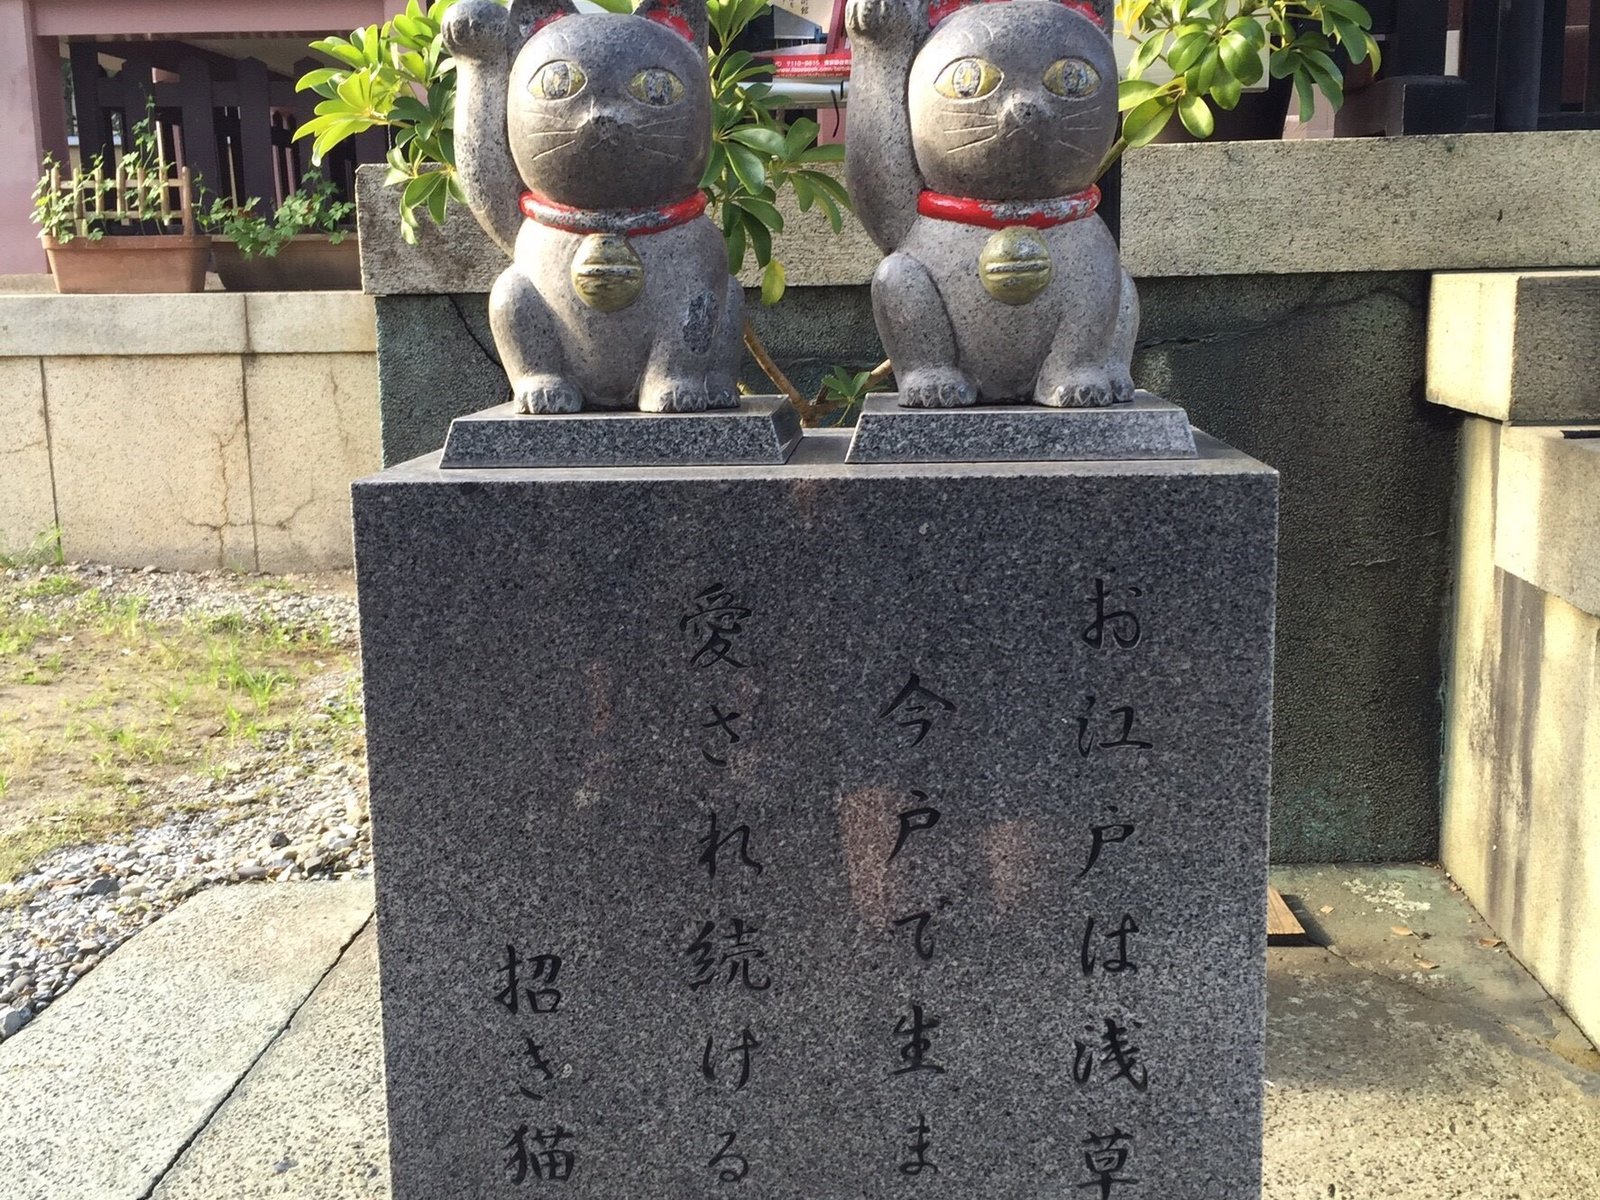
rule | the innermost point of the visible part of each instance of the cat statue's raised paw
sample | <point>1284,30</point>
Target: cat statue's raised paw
<point>976,134</point>
<point>580,142</point>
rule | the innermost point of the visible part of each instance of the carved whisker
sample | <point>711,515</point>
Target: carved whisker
<point>566,145</point>
<point>974,142</point>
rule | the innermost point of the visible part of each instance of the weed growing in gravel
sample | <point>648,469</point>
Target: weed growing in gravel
<point>45,551</point>
<point>52,585</point>
<point>93,817</point>
<point>19,630</point>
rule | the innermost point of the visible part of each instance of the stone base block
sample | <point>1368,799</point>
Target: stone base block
<point>1148,428</point>
<point>822,831</point>
<point>762,430</point>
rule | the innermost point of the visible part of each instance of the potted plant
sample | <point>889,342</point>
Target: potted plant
<point>1216,50</point>
<point>75,214</point>
<point>303,247</point>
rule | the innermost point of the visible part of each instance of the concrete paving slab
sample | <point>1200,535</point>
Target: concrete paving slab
<point>1412,1058</point>
<point>105,1089</point>
<point>308,1121</point>
<point>1388,1078</point>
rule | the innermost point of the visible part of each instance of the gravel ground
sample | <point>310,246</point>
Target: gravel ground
<point>283,812</point>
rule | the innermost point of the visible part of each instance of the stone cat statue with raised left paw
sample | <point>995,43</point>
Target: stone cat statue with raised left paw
<point>580,142</point>
<point>976,134</point>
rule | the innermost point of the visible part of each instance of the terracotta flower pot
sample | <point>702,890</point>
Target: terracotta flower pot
<point>143,263</point>
<point>306,263</point>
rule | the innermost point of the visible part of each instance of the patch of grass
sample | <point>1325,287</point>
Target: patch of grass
<point>19,630</point>
<point>125,746</point>
<point>52,585</point>
<point>345,709</point>
<point>137,701</point>
<point>268,583</point>
<point>226,622</point>
<point>85,818</point>
<point>121,618</point>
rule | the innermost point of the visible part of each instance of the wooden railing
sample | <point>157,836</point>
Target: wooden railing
<point>230,121</point>
<point>1524,65</point>
<point>128,197</point>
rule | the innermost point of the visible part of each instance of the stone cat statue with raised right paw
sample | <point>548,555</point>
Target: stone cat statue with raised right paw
<point>580,141</point>
<point>976,135</point>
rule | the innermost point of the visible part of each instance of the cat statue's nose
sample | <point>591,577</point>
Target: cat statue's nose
<point>602,126</point>
<point>1021,111</point>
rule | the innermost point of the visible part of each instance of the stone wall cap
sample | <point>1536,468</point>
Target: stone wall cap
<point>1547,511</point>
<point>1521,347</point>
<point>1418,203</point>
<point>48,326</point>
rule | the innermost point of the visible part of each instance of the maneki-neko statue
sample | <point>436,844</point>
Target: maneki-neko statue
<point>976,134</point>
<point>580,142</point>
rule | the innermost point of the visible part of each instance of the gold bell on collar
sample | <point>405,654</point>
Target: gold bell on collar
<point>606,272</point>
<point>1015,266</point>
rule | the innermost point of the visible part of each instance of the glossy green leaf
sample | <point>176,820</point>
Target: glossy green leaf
<point>1187,51</point>
<point>1237,53</point>
<point>762,210</point>
<point>830,152</point>
<point>1227,93</point>
<point>316,81</point>
<point>1196,116</point>
<point>768,141</point>
<point>747,167</point>
<point>772,283</point>
<point>1141,125</point>
<point>1133,92</point>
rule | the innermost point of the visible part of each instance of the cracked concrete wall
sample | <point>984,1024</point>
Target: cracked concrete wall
<point>27,497</point>
<point>1319,375</point>
<point>1522,749</point>
<point>151,460</point>
<point>313,429</point>
<point>187,461</point>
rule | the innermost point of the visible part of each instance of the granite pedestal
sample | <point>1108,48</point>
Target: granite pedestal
<point>822,831</point>
<point>1147,427</point>
<point>763,429</point>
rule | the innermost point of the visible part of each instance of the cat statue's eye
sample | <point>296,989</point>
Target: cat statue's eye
<point>968,79</point>
<point>559,80</point>
<point>656,86</point>
<point>1073,78</point>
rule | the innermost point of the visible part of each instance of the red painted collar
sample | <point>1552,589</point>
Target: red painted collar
<point>633,222</point>
<point>1002,214</point>
<point>940,9</point>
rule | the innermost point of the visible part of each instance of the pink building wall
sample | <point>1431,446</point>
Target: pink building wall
<point>31,120</point>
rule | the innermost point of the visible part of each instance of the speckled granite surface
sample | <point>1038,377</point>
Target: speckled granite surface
<point>763,429</point>
<point>1149,427</point>
<point>805,826</point>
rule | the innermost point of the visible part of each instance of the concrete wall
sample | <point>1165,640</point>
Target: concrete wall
<point>1521,778</point>
<point>1319,375</point>
<point>187,432</point>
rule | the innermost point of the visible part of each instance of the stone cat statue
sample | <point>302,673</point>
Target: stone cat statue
<point>580,141</point>
<point>975,137</point>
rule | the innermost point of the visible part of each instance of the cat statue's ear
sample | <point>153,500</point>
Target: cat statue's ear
<point>529,16</point>
<point>687,18</point>
<point>1101,12</point>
